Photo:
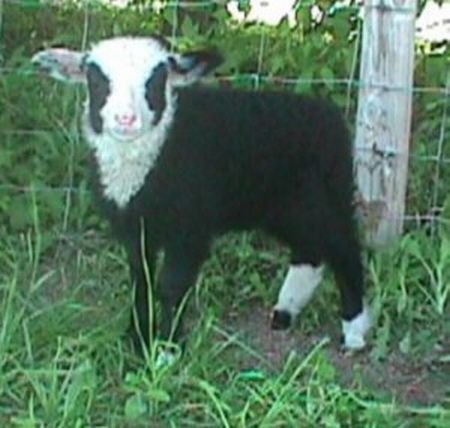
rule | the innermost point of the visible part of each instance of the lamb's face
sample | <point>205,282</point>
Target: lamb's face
<point>131,82</point>
<point>128,89</point>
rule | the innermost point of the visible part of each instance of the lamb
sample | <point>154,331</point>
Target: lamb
<point>177,164</point>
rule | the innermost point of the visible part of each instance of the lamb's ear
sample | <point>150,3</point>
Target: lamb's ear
<point>188,68</point>
<point>62,64</point>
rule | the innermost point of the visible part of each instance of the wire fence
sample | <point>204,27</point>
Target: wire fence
<point>437,161</point>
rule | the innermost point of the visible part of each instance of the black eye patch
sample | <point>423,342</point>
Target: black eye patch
<point>99,89</point>
<point>155,91</point>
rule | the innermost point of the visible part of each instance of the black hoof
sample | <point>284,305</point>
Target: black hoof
<point>137,342</point>
<point>281,320</point>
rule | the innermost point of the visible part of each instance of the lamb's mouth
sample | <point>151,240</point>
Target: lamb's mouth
<point>125,135</point>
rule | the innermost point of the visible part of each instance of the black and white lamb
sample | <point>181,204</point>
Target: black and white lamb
<point>177,164</point>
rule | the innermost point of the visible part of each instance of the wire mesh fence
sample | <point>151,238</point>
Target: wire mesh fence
<point>44,133</point>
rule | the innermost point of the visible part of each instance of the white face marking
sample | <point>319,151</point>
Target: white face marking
<point>298,288</point>
<point>124,166</point>
<point>355,330</point>
<point>127,63</point>
<point>126,152</point>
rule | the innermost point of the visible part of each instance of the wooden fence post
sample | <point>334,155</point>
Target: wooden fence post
<point>384,115</point>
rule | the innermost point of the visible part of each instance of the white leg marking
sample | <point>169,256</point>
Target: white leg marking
<point>298,288</point>
<point>164,358</point>
<point>355,330</point>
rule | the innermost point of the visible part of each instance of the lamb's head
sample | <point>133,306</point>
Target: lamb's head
<point>131,82</point>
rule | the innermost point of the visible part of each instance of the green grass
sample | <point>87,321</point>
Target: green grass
<point>64,360</point>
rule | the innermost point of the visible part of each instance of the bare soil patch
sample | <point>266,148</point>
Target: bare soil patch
<point>400,377</point>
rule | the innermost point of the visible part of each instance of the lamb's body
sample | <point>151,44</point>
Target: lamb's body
<point>262,164</point>
<point>215,160</point>
<point>267,168</point>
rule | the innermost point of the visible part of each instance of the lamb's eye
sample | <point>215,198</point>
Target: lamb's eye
<point>98,83</point>
<point>99,89</point>
<point>155,89</point>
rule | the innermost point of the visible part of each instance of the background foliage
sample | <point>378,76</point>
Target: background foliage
<point>317,57</point>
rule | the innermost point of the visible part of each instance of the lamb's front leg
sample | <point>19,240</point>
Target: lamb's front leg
<point>179,273</point>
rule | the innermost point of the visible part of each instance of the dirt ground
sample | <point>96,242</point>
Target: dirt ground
<point>408,380</point>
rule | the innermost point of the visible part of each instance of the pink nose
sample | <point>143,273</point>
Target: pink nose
<point>125,119</point>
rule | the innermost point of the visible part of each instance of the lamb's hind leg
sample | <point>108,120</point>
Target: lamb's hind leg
<point>298,288</point>
<point>345,260</point>
<point>297,221</point>
<point>319,232</point>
